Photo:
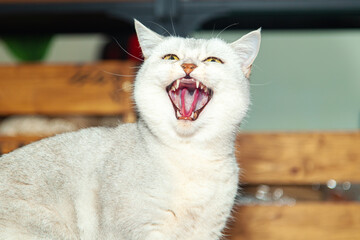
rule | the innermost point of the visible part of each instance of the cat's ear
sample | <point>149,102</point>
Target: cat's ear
<point>148,39</point>
<point>247,48</point>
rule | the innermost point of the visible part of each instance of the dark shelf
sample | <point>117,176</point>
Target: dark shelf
<point>113,17</point>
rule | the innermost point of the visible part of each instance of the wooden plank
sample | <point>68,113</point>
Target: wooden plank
<point>8,144</point>
<point>299,158</point>
<point>312,220</point>
<point>298,192</point>
<point>55,89</point>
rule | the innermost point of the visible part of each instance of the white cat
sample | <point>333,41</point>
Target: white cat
<point>170,176</point>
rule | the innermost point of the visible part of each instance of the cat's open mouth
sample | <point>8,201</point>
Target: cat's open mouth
<point>189,97</point>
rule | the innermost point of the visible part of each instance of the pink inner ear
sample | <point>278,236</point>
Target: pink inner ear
<point>247,71</point>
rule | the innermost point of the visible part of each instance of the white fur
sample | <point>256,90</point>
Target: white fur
<point>158,179</point>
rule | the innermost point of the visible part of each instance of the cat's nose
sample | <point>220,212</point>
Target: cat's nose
<point>188,68</point>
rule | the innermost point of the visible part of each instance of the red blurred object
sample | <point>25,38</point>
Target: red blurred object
<point>134,49</point>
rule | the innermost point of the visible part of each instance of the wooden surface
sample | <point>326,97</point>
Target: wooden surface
<point>66,89</point>
<point>299,158</point>
<point>8,144</point>
<point>303,221</point>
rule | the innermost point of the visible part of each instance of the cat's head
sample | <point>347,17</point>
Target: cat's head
<point>193,88</point>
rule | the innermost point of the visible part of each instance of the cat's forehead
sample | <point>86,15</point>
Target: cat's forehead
<point>194,46</point>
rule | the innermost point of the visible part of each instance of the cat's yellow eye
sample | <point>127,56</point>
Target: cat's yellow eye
<point>171,57</point>
<point>213,59</point>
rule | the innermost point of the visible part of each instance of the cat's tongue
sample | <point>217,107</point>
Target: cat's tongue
<point>188,101</point>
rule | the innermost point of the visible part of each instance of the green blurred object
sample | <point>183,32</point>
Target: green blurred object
<point>28,48</point>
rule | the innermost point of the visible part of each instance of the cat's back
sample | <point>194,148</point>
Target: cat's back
<point>64,158</point>
<point>72,146</point>
<point>57,179</point>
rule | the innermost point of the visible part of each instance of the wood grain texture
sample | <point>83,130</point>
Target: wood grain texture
<point>303,221</point>
<point>55,89</point>
<point>299,158</point>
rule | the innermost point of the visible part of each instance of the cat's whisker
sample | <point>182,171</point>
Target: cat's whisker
<point>231,25</point>
<point>117,42</point>
<point>259,84</point>
<point>136,67</point>
<point>172,22</point>
<point>161,28</point>
<point>173,27</point>
<point>257,67</point>
<point>119,75</point>
<point>212,33</point>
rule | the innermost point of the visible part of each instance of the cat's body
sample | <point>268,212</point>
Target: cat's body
<point>159,191</point>
<point>166,177</point>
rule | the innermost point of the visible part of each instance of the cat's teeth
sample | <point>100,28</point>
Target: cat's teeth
<point>192,115</point>
<point>205,89</point>
<point>177,83</point>
<point>178,113</point>
<point>197,84</point>
<point>201,86</point>
<point>173,88</point>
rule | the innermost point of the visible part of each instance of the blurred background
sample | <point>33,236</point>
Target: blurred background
<point>69,64</point>
<point>306,77</point>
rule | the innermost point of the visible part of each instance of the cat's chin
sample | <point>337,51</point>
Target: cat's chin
<point>189,97</point>
<point>185,128</point>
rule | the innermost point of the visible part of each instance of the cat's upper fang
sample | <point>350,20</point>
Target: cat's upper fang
<point>176,84</point>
